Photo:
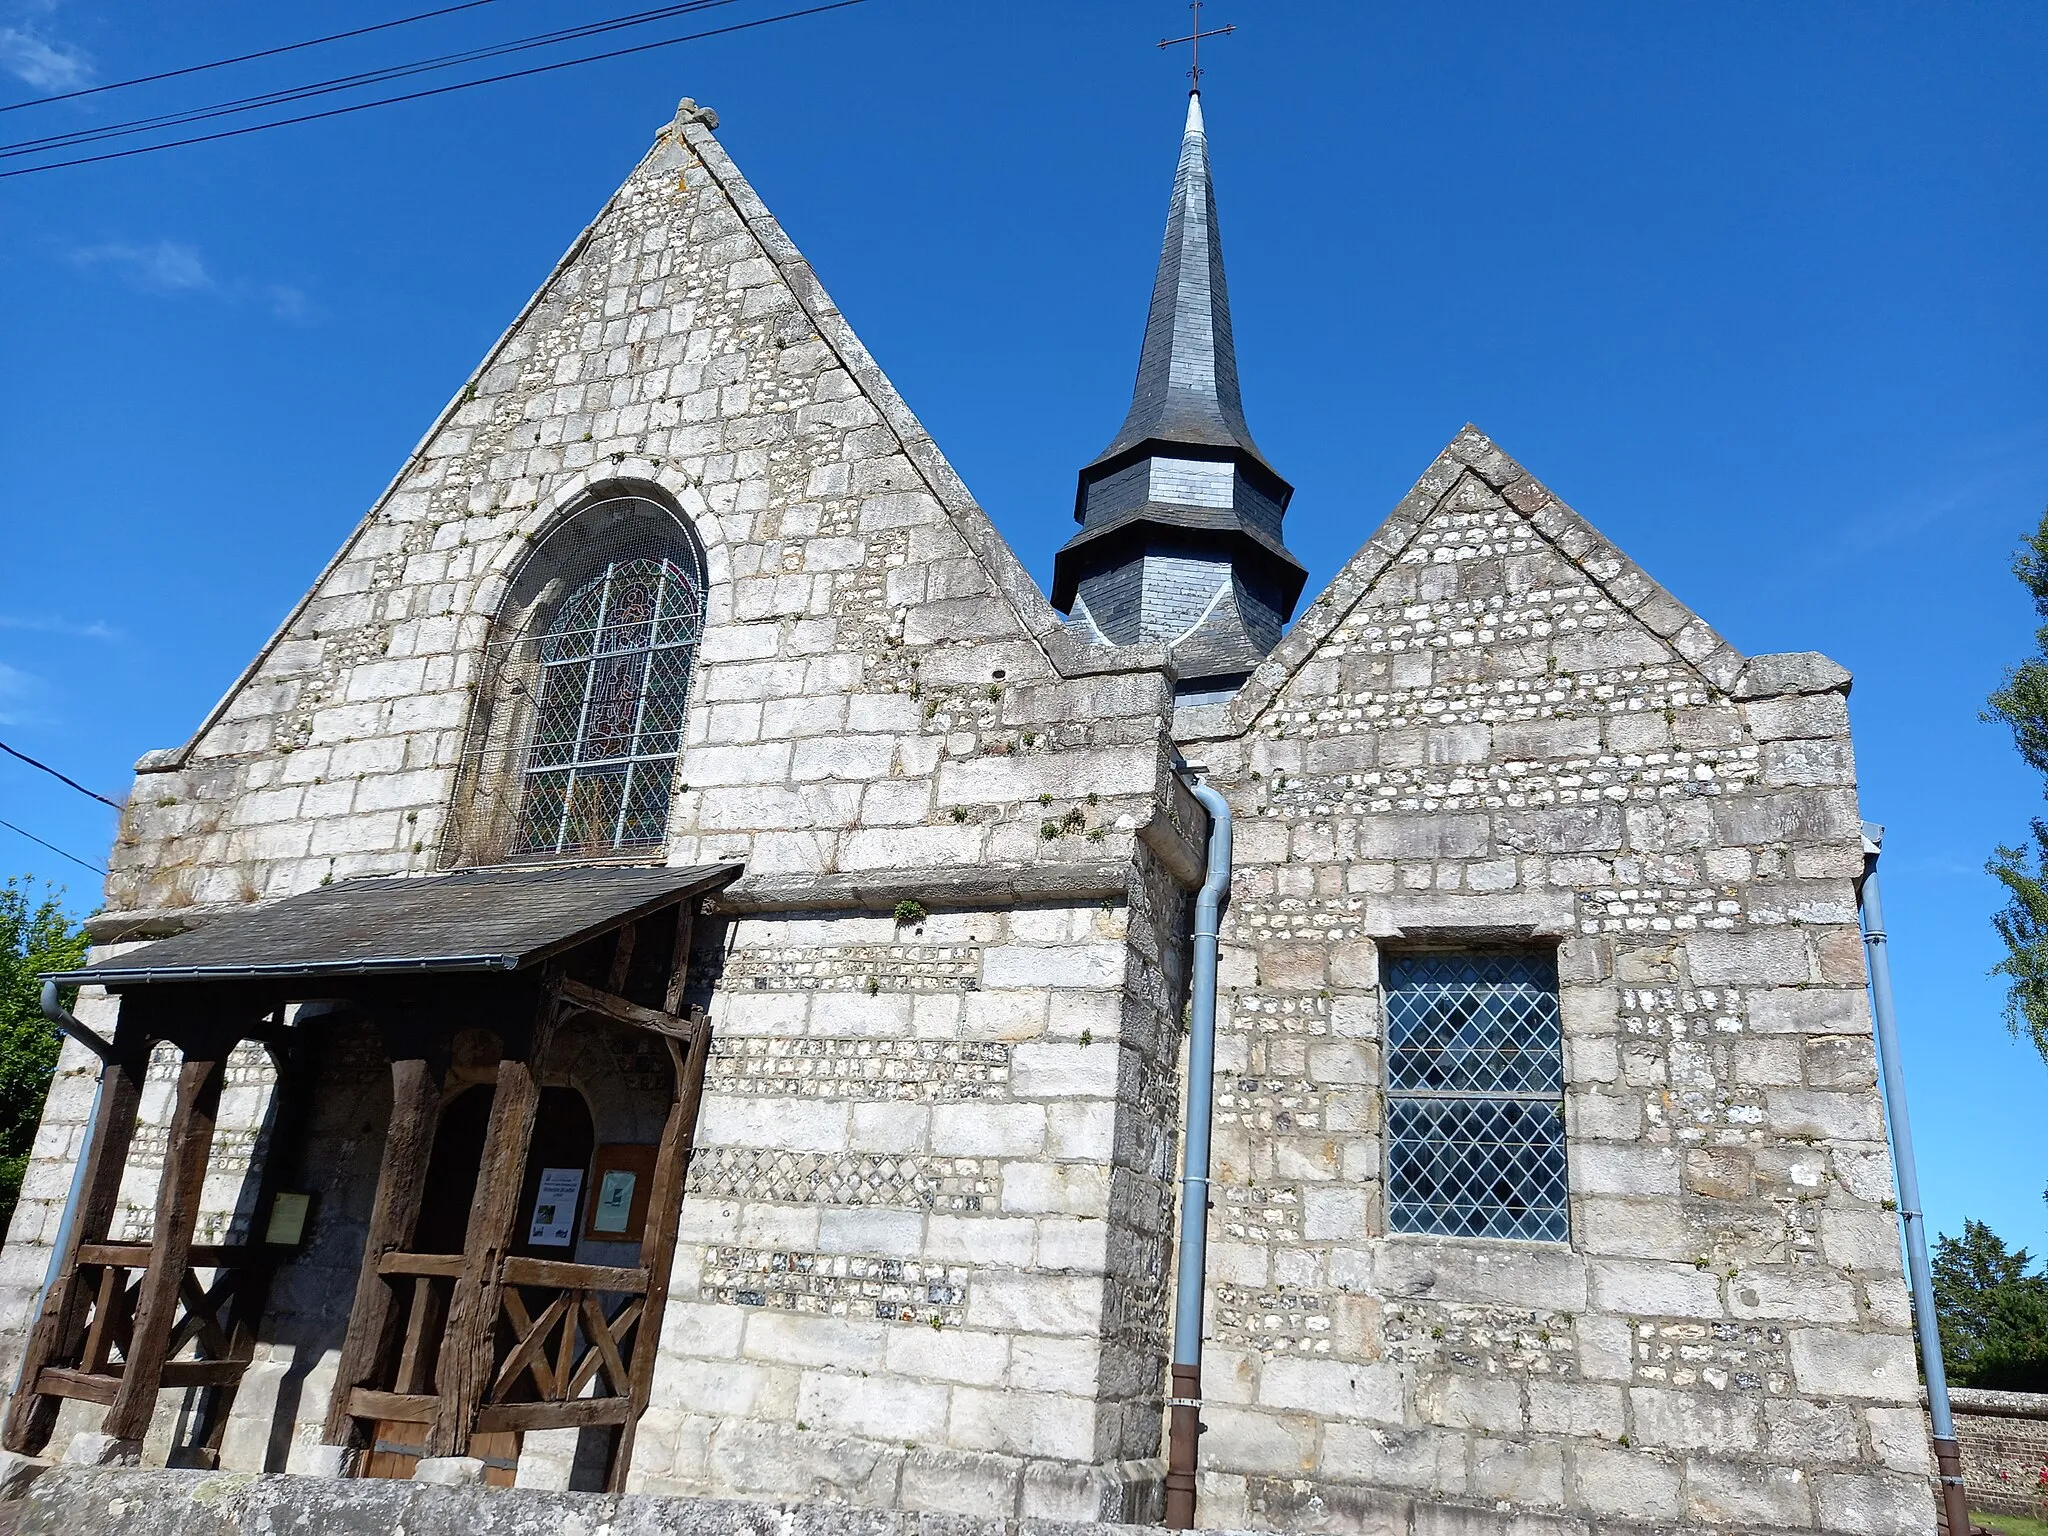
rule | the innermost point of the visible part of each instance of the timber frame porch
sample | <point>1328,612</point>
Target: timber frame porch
<point>456,1345</point>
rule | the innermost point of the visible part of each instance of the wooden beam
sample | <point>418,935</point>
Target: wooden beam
<point>401,1187</point>
<point>203,1255</point>
<point>85,1386</point>
<point>200,1079</point>
<point>577,1413</point>
<point>204,1373</point>
<point>467,1351</point>
<point>521,1270</point>
<point>622,958</point>
<point>401,1407</point>
<point>679,958</point>
<point>617,1008</point>
<point>60,1326</point>
<point>441,1266</point>
<point>664,1212</point>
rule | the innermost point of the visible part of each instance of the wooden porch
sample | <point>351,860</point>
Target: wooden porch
<point>445,1353</point>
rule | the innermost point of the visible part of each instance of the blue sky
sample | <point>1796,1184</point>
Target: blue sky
<point>1757,288</point>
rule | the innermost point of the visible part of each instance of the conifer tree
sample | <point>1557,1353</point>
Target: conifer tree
<point>2022,868</point>
<point>1993,1312</point>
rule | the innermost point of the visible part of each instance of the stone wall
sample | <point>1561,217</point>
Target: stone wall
<point>2004,1441</point>
<point>923,1246</point>
<point>1493,728</point>
<point>924,1260</point>
<point>98,1501</point>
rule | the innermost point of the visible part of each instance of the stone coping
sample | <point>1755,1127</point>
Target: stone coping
<point>1996,1405</point>
<point>69,1500</point>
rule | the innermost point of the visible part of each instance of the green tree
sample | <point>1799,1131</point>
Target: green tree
<point>1993,1313</point>
<point>2022,868</point>
<point>35,936</point>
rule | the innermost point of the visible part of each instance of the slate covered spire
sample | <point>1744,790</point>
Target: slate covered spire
<point>1181,513</point>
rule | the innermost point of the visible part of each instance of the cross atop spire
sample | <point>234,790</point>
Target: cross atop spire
<point>1194,40</point>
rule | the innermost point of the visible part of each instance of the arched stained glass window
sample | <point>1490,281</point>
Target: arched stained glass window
<point>610,676</point>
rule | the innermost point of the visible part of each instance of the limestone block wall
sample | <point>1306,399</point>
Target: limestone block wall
<point>1494,728</point>
<point>883,705</point>
<point>873,655</point>
<point>925,1240</point>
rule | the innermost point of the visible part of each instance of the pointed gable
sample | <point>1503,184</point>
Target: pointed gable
<point>1567,600</point>
<point>858,607</point>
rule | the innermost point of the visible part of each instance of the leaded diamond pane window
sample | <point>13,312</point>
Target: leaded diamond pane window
<point>614,672</point>
<point>1475,1096</point>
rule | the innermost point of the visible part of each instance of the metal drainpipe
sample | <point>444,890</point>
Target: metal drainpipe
<point>1947,1454</point>
<point>56,1013</point>
<point>1185,1426</point>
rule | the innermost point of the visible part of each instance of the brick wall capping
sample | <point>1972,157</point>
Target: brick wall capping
<point>1788,672</point>
<point>1996,1405</point>
<point>957,886</point>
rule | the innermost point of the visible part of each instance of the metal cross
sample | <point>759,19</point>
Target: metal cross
<point>1194,37</point>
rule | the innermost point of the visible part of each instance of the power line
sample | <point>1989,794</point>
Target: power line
<point>443,90</point>
<point>242,58</point>
<point>74,858</point>
<point>104,131</point>
<point>53,773</point>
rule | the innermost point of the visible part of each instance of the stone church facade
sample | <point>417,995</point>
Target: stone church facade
<point>1550,1178</point>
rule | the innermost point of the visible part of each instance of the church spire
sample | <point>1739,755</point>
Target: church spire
<point>1187,368</point>
<point>1181,513</point>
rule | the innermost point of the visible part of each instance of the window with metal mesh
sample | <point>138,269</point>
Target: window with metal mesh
<point>613,673</point>
<point>1475,1096</point>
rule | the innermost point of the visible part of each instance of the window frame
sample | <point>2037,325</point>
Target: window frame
<point>590,661</point>
<point>1544,1218</point>
<point>608,525</point>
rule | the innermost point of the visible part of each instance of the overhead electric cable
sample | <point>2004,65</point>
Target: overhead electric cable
<point>74,858</point>
<point>53,773</point>
<point>442,90</point>
<point>242,58</point>
<point>102,132</point>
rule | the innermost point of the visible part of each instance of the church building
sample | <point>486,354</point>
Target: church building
<point>678,971</point>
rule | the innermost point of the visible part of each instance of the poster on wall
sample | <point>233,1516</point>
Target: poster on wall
<point>554,1208</point>
<point>620,1185</point>
<point>614,1202</point>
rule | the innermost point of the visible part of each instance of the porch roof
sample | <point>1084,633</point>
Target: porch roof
<point>502,919</point>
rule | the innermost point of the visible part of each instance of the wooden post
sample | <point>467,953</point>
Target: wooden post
<point>32,1415</point>
<point>679,961</point>
<point>468,1346</point>
<point>664,1203</point>
<point>401,1187</point>
<point>293,1054</point>
<point>200,1077</point>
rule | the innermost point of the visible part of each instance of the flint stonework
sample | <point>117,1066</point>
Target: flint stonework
<point>924,1257</point>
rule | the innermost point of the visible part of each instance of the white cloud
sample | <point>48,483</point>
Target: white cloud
<point>41,62</point>
<point>163,266</point>
<point>93,629</point>
<point>288,303</point>
<point>16,689</point>
<point>171,267</point>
